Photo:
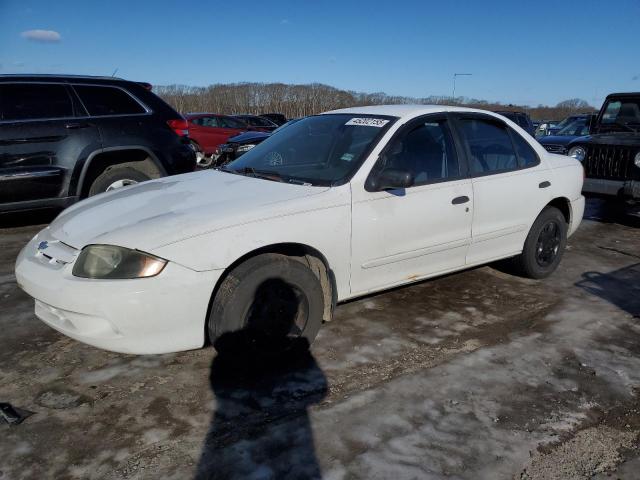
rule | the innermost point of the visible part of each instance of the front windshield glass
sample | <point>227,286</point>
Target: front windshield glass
<point>318,150</point>
<point>575,129</point>
<point>622,112</point>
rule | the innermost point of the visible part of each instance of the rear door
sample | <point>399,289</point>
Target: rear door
<point>510,186</point>
<point>42,137</point>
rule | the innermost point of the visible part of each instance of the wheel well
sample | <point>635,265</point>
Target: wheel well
<point>564,206</point>
<point>304,253</point>
<point>137,159</point>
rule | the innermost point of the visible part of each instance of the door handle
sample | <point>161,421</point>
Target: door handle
<point>74,126</point>
<point>459,200</point>
<point>544,184</point>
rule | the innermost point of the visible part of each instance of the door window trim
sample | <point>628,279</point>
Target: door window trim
<point>456,119</point>
<point>413,123</point>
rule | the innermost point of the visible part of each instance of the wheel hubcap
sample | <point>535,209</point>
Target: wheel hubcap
<point>120,183</point>
<point>548,244</point>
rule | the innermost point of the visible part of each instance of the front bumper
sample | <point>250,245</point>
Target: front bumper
<point>617,188</point>
<point>161,314</point>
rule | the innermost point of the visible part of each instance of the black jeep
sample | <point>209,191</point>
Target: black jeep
<point>611,153</point>
<point>64,138</point>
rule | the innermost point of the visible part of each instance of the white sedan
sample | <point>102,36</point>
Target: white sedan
<point>333,207</point>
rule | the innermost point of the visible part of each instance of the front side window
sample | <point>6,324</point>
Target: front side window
<point>490,146</point>
<point>228,122</point>
<point>319,150</point>
<point>32,101</point>
<point>426,150</point>
<point>101,101</point>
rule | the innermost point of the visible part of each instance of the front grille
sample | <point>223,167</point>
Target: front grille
<point>555,149</point>
<point>608,161</point>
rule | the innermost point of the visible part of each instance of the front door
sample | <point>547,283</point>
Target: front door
<point>404,235</point>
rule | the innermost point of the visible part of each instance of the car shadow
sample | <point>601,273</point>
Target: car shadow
<point>611,211</point>
<point>260,427</point>
<point>620,287</point>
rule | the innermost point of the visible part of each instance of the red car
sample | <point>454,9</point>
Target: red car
<point>207,131</point>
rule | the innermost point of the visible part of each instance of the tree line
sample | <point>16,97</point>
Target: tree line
<point>300,100</point>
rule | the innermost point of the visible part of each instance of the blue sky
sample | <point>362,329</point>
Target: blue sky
<point>521,52</point>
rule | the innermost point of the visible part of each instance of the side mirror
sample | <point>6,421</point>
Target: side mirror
<point>389,179</point>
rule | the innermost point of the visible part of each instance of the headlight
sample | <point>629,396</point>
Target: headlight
<point>578,153</point>
<point>244,148</point>
<point>636,160</point>
<point>111,262</point>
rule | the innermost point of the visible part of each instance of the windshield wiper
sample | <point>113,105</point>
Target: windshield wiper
<point>252,172</point>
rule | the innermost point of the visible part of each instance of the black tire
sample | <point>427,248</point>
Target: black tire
<point>115,174</point>
<point>266,305</point>
<point>544,246</point>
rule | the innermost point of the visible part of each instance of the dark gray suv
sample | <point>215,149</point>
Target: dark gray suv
<point>64,138</point>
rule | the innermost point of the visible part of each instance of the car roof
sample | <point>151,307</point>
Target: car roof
<point>62,78</point>
<point>624,94</point>
<point>408,111</point>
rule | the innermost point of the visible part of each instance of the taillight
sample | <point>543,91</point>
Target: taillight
<point>180,126</point>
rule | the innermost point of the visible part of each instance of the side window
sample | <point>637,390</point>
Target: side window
<point>528,156</point>
<point>32,101</point>
<point>426,151</point>
<point>101,101</point>
<point>490,146</point>
<point>231,123</point>
<point>212,122</point>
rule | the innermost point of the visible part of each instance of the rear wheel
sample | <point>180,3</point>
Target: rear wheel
<point>544,245</point>
<point>116,177</point>
<point>267,305</point>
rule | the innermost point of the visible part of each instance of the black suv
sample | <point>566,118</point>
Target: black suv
<point>610,155</point>
<point>519,118</point>
<point>64,138</point>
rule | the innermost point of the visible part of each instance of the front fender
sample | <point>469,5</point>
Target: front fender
<point>327,230</point>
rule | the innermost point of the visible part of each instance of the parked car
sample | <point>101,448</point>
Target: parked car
<point>520,118</point>
<point>64,138</point>
<point>208,131</point>
<point>277,118</point>
<point>554,129</point>
<point>333,207</point>
<point>611,154</point>
<point>257,123</point>
<point>240,144</point>
<point>558,142</point>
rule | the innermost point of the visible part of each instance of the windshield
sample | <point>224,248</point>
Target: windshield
<point>575,129</point>
<point>318,150</point>
<point>622,112</point>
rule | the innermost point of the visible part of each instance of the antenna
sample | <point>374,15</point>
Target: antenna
<point>114,72</point>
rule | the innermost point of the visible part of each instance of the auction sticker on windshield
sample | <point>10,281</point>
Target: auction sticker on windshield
<point>368,122</point>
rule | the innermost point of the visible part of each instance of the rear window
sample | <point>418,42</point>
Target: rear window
<point>30,101</point>
<point>100,101</point>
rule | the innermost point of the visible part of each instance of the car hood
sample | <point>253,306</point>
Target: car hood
<point>621,138</point>
<point>249,137</point>
<point>557,139</point>
<point>158,212</point>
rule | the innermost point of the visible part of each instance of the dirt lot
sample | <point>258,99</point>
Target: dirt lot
<point>477,375</point>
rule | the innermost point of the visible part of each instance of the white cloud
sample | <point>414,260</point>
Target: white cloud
<point>45,36</point>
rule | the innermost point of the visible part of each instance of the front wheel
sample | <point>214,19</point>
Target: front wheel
<point>544,245</point>
<point>266,305</point>
<point>116,177</point>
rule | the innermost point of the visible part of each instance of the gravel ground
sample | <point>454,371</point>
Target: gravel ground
<point>476,375</point>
